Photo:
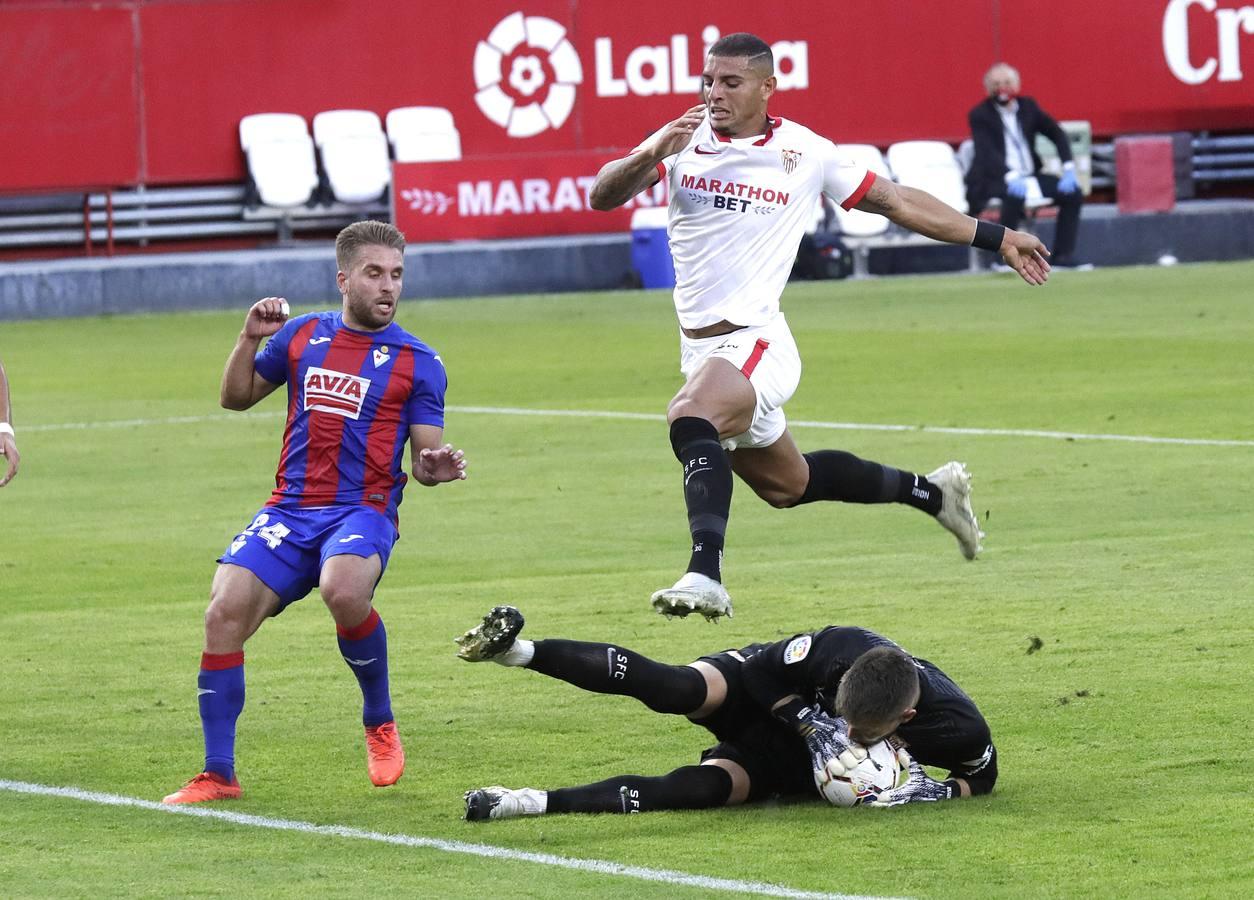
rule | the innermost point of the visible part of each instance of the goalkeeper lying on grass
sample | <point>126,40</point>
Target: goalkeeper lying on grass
<point>772,707</point>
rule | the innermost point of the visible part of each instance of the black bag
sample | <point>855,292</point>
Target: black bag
<point>820,256</point>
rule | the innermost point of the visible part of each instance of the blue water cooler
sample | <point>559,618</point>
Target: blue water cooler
<point>650,250</point>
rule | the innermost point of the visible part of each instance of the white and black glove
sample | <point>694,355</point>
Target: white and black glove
<point>832,753</point>
<point>918,788</point>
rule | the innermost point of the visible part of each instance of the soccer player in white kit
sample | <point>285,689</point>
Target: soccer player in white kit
<point>743,187</point>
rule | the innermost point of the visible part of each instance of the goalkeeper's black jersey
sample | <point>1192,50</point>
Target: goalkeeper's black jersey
<point>948,730</point>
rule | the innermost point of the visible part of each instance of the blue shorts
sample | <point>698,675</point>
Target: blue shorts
<point>287,548</point>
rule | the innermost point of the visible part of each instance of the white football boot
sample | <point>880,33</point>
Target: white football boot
<point>955,513</point>
<point>694,593</point>
<point>498,802</point>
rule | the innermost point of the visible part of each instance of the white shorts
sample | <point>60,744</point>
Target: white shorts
<point>767,355</point>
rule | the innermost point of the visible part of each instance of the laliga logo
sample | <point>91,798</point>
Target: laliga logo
<point>525,75</point>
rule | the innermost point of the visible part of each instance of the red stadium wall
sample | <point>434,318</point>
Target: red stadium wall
<point>152,92</point>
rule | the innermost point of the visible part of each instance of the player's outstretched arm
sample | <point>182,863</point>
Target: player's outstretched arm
<point>8,442</point>
<point>435,462</point>
<point>620,180</point>
<point>920,212</point>
<point>241,386</point>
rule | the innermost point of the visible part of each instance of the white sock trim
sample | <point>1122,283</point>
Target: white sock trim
<point>517,655</point>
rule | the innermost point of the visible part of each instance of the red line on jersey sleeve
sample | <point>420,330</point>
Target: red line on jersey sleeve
<point>661,171</point>
<point>326,430</point>
<point>856,197</point>
<point>754,358</point>
<point>295,347</point>
<point>381,440</point>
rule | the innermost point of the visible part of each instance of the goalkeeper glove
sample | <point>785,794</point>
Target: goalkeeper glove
<point>919,787</point>
<point>832,753</point>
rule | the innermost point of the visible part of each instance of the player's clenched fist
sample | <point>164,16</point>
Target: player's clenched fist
<point>266,317</point>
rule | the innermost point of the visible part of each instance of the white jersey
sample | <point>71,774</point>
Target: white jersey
<point>738,211</point>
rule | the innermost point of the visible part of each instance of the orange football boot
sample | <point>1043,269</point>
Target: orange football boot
<point>385,758</point>
<point>205,786</point>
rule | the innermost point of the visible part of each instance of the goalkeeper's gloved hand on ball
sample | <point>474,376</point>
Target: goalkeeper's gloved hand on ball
<point>832,753</point>
<point>918,788</point>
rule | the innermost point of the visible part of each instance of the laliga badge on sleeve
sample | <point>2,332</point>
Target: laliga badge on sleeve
<point>797,650</point>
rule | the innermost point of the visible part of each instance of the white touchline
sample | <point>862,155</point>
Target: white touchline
<point>655,417</point>
<point>598,866</point>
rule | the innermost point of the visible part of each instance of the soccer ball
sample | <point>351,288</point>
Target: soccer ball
<point>880,771</point>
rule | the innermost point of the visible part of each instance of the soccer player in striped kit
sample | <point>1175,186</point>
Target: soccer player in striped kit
<point>743,187</point>
<point>359,387</point>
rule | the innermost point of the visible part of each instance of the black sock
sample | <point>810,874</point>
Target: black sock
<point>917,491</point>
<point>837,475</point>
<point>610,669</point>
<point>688,787</point>
<point>707,491</point>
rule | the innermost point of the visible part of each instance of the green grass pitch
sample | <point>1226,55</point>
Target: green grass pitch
<point>1124,738</point>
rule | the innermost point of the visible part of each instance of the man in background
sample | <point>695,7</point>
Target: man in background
<point>1003,129</point>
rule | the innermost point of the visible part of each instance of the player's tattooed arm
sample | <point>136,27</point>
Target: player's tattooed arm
<point>918,211</point>
<point>924,214</point>
<point>620,180</point>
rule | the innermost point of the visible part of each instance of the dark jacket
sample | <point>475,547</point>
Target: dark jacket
<point>987,177</point>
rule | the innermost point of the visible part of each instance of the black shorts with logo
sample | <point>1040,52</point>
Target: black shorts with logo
<point>774,756</point>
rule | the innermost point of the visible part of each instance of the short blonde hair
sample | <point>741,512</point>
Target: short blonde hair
<point>365,234</point>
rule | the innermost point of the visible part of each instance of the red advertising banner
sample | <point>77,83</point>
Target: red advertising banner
<point>506,197</point>
<point>145,91</point>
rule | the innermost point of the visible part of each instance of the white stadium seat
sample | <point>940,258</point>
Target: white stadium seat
<point>354,154</point>
<point>854,222</point>
<point>280,157</point>
<point>930,166</point>
<point>423,134</point>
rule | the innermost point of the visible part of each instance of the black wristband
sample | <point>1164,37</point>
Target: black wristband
<point>955,789</point>
<point>988,236</point>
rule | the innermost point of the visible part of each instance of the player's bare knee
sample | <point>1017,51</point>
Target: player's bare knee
<point>715,690</point>
<point>781,498</point>
<point>347,603</point>
<point>683,406</point>
<point>226,620</point>
<point>739,779</point>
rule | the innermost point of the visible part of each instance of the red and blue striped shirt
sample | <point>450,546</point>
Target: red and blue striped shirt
<point>351,397</point>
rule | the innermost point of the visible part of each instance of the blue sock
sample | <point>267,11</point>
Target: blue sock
<point>221,697</point>
<point>365,649</point>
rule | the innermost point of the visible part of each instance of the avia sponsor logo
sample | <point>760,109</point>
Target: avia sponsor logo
<point>665,68</point>
<point>1228,24</point>
<point>733,189</point>
<point>527,196</point>
<point>527,72</point>
<point>335,392</point>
